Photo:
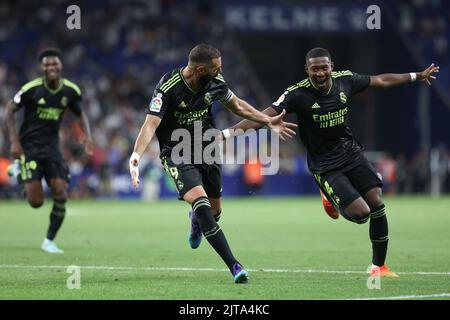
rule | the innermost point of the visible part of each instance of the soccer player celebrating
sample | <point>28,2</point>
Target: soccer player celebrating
<point>181,100</point>
<point>345,177</point>
<point>36,147</point>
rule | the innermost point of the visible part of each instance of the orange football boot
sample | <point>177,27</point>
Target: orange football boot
<point>329,209</point>
<point>383,271</point>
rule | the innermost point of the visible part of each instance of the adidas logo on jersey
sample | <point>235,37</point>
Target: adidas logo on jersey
<point>41,101</point>
<point>182,105</point>
<point>315,106</point>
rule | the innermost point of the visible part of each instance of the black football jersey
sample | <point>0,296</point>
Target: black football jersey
<point>180,107</point>
<point>43,111</point>
<point>323,119</point>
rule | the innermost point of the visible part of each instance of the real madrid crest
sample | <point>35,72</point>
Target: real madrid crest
<point>343,97</point>
<point>64,101</point>
<point>208,98</point>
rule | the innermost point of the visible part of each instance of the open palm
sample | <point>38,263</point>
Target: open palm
<point>284,129</point>
<point>427,74</point>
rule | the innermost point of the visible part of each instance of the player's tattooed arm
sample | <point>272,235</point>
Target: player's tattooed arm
<point>16,147</point>
<point>387,80</point>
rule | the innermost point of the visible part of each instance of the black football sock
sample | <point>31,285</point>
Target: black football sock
<point>56,218</point>
<point>216,217</point>
<point>378,231</point>
<point>212,231</point>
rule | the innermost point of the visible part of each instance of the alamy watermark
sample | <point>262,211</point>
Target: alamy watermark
<point>74,19</point>
<point>374,20</point>
<point>374,280</point>
<point>203,147</point>
<point>74,280</point>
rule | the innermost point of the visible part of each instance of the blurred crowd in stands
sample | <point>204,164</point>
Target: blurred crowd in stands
<point>427,25</point>
<point>121,52</point>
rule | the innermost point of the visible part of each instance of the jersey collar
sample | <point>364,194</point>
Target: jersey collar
<point>61,83</point>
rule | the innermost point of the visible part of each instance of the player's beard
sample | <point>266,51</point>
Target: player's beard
<point>205,80</point>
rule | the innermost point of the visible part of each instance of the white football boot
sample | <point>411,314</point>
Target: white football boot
<point>50,247</point>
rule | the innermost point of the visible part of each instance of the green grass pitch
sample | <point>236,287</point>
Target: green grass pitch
<point>138,250</point>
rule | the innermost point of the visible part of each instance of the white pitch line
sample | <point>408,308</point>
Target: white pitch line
<point>422,296</point>
<point>118,268</point>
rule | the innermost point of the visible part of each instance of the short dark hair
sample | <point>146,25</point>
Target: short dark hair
<point>317,52</point>
<point>50,52</point>
<point>203,53</point>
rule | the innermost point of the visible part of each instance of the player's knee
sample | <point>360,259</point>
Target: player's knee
<point>60,194</point>
<point>361,219</point>
<point>194,194</point>
<point>359,216</point>
<point>36,202</point>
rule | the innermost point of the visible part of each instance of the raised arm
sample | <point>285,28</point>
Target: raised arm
<point>143,139</point>
<point>16,147</point>
<point>387,80</point>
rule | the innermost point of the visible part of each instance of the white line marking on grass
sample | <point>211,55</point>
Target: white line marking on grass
<point>118,268</point>
<point>422,296</point>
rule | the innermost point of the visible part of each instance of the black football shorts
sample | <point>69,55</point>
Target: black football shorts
<point>343,187</point>
<point>33,168</point>
<point>188,176</point>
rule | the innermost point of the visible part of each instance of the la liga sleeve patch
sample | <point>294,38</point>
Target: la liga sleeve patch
<point>280,99</point>
<point>156,103</point>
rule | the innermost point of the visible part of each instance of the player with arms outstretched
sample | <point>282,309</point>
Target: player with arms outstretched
<point>347,180</point>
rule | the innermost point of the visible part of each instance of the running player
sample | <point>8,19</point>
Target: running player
<point>182,100</point>
<point>346,178</point>
<point>44,101</point>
